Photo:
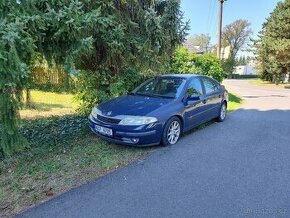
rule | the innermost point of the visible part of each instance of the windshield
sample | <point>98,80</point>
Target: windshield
<point>167,87</point>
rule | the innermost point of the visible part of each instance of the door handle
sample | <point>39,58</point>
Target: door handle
<point>204,101</point>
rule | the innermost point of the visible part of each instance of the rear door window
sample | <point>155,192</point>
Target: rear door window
<point>210,85</point>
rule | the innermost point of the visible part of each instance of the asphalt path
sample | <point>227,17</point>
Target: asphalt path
<point>238,168</point>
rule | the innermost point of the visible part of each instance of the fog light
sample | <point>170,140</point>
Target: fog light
<point>135,140</point>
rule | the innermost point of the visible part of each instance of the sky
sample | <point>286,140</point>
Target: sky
<point>203,14</point>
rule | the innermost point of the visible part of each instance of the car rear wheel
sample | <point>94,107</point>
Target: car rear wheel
<point>223,112</point>
<point>171,132</point>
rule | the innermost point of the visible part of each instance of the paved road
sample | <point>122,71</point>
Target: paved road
<point>239,168</point>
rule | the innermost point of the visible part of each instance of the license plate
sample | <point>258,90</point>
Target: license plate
<point>104,130</point>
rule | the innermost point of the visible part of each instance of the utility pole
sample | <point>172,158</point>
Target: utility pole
<point>220,25</point>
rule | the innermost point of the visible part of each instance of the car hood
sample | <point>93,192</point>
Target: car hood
<point>134,105</point>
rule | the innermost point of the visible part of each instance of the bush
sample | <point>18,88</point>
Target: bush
<point>186,62</point>
<point>96,87</point>
<point>53,130</point>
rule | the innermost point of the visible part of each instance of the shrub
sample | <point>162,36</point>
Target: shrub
<point>96,87</point>
<point>54,130</point>
<point>206,64</point>
<point>50,132</point>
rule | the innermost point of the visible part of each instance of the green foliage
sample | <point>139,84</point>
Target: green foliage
<point>185,62</point>
<point>51,77</point>
<point>104,41</point>
<point>273,46</point>
<point>138,40</point>
<point>49,132</point>
<point>53,131</point>
<point>55,29</point>
<point>97,87</point>
<point>234,103</point>
<point>228,65</point>
<point>16,47</point>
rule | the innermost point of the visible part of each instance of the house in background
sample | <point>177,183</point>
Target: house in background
<point>225,52</point>
<point>249,69</point>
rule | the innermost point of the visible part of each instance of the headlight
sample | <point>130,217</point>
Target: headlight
<point>95,112</point>
<point>137,120</point>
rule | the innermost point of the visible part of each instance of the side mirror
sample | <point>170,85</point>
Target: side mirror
<point>193,98</point>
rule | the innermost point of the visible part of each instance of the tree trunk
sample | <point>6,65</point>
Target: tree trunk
<point>28,98</point>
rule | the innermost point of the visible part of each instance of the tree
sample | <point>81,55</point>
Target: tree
<point>184,61</point>
<point>57,30</point>
<point>150,34</point>
<point>242,60</point>
<point>106,43</point>
<point>235,35</point>
<point>202,40</point>
<point>273,45</point>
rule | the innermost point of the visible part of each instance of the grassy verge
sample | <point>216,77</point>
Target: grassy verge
<point>269,84</point>
<point>235,102</point>
<point>63,154</point>
<point>57,162</point>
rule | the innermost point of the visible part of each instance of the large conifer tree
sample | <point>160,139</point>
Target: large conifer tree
<point>273,47</point>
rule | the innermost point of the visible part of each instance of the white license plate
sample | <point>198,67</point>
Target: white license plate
<point>104,130</point>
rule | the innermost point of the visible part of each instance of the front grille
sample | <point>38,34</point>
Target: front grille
<point>108,119</point>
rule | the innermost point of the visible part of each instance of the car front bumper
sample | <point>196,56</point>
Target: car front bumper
<point>139,136</point>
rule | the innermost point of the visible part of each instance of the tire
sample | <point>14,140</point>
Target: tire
<point>171,132</point>
<point>222,113</point>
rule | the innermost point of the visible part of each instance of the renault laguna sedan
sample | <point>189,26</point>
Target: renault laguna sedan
<point>160,110</point>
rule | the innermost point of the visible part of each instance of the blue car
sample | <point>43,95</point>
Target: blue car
<point>160,110</point>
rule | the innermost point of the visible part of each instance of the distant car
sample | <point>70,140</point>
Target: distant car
<point>160,110</point>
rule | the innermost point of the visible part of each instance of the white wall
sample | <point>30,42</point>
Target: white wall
<point>245,70</point>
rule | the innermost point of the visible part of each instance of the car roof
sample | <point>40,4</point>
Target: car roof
<point>186,76</point>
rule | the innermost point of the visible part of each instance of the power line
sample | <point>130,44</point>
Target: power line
<point>213,14</point>
<point>209,17</point>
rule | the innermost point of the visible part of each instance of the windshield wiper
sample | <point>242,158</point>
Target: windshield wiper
<point>152,95</point>
<point>163,96</point>
<point>143,94</point>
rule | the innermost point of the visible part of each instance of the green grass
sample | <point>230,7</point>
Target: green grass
<point>45,104</point>
<point>41,173</point>
<point>234,103</point>
<point>63,153</point>
<point>260,82</point>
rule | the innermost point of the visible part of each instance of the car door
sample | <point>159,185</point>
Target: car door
<point>194,109</point>
<point>212,98</point>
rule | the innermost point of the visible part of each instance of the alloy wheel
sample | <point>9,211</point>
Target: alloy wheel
<point>223,112</point>
<point>173,132</point>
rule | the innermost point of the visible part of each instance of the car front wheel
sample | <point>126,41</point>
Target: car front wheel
<point>171,132</point>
